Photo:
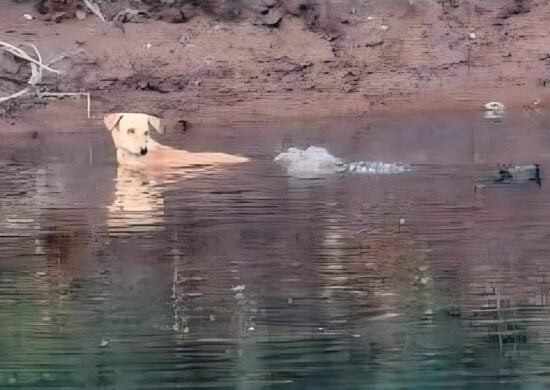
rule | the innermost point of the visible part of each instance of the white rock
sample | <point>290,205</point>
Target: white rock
<point>472,35</point>
<point>384,27</point>
<point>80,15</point>
<point>495,106</point>
<point>28,17</point>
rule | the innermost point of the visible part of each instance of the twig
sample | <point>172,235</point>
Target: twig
<point>95,9</point>
<point>22,54</point>
<point>36,70</point>
<point>64,55</point>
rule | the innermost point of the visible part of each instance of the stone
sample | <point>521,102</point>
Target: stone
<point>273,17</point>
<point>269,3</point>
<point>59,16</point>
<point>80,15</point>
<point>373,42</point>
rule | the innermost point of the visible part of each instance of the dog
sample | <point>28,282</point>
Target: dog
<point>135,148</point>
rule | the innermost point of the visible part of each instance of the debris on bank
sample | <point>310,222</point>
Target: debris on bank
<point>37,67</point>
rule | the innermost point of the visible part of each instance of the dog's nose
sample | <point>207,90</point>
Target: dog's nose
<point>143,151</point>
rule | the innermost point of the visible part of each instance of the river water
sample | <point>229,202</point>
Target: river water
<point>248,278</point>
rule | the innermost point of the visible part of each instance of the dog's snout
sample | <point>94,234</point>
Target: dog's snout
<point>143,151</point>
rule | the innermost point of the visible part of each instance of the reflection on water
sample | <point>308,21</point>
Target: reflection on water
<point>246,277</point>
<point>138,205</point>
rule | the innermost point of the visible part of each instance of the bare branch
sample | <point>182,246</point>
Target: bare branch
<point>95,9</point>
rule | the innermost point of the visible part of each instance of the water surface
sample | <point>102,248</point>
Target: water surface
<point>245,277</point>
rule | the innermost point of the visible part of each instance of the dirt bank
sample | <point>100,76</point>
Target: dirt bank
<point>219,62</point>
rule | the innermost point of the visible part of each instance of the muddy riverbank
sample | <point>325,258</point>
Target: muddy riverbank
<point>282,59</point>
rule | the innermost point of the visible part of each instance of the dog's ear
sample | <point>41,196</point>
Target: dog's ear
<point>154,123</point>
<point>112,120</point>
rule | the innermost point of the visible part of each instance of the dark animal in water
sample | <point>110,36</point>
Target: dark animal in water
<point>519,173</point>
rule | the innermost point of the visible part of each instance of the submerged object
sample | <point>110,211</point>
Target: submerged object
<point>494,110</point>
<point>495,106</point>
<point>315,161</point>
<point>374,167</point>
<point>519,173</point>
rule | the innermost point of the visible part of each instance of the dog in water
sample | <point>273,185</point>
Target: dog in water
<point>131,134</point>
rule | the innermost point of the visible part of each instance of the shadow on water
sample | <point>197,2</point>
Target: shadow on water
<point>248,278</point>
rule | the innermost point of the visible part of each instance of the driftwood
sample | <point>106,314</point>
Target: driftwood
<point>37,68</point>
<point>95,9</point>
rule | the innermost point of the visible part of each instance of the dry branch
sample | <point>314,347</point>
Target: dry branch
<point>37,67</point>
<point>95,9</point>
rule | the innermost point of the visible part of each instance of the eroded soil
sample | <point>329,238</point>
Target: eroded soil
<point>219,62</point>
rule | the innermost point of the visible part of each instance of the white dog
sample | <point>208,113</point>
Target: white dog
<point>131,134</point>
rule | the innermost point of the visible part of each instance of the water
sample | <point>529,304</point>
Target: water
<point>246,277</point>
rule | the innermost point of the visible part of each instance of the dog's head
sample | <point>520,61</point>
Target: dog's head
<point>132,131</point>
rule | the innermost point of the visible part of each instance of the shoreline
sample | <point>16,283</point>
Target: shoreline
<point>208,71</point>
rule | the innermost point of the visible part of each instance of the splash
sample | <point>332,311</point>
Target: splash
<point>316,161</point>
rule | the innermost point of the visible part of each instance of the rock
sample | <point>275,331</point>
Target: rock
<point>374,42</point>
<point>59,16</point>
<point>425,280</point>
<point>80,15</point>
<point>130,16</point>
<point>453,311</point>
<point>273,17</point>
<point>28,17</point>
<point>173,15</point>
<point>182,125</point>
<point>296,7</point>
<point>518,9</point>
<point>269,3</point>
<point>495,106</point>
<point>384,27</point>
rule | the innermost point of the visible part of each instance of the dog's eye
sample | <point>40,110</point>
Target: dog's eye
<point>131,131</point>
<point>146,133</point>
